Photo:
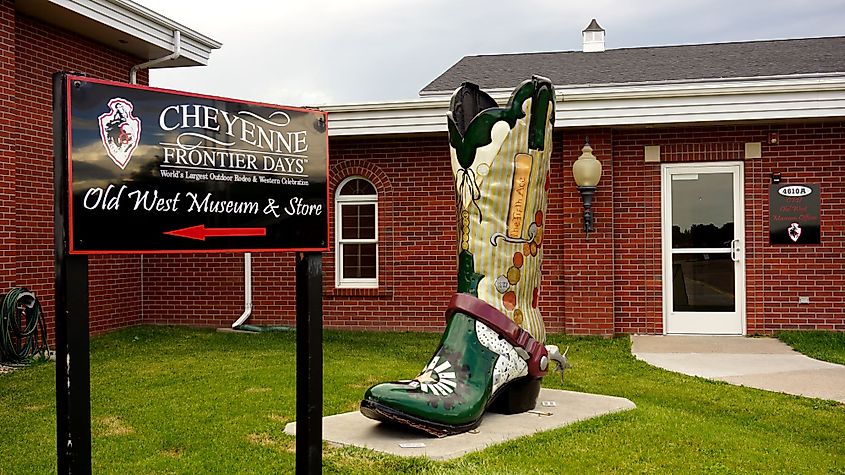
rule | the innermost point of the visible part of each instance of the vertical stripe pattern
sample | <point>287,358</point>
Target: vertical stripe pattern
<point>497,263</point>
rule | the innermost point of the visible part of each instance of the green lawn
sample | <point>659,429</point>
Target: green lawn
<point>826,346</point>
<point>177,400</point>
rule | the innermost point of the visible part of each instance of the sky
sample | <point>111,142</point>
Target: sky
<point>302,53</point>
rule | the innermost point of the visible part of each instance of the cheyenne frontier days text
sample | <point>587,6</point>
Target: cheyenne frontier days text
<point>283,151</point>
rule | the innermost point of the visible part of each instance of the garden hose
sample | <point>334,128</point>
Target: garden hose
<point>23,333</point>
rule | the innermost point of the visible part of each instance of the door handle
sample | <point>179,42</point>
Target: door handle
<point>735,250</point>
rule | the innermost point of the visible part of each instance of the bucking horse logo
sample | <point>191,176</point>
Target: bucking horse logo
<point>120,131</point>
<point>794,232</point>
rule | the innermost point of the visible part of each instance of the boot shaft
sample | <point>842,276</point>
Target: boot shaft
<point>500,160</point>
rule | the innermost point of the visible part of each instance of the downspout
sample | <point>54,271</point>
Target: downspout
<point>247,291</point>
<point>133,79</point>
<point>177,51</point>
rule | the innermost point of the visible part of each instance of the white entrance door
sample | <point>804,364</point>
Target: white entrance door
<point>703,249</point>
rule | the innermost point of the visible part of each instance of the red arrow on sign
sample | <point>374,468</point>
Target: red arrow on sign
<point>200,232</point>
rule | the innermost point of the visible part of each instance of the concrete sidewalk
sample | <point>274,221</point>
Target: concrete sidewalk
<point>762,363</point>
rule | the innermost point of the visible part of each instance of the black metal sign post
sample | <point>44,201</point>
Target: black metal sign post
<point>309,363</point>
<point>139,170</point>
<point>73,388</point>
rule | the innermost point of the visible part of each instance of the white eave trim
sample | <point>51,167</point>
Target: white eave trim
<point>704,88</point>
<point>614,105</point>
<point>669,84</point>
<point>144,25</point>
<point>167,23</point>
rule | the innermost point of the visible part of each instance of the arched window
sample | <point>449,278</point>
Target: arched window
<point>356,234</point>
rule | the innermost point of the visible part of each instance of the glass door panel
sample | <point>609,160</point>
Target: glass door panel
<point>702,210</point>
<point>703,283</point>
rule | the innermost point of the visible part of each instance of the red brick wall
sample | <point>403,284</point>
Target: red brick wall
<point>580,294</point>
<point>636,218</point>
<point>416,253</point>
<point>417,258</point>
<point>197,289</point>
<point>775,275</point>
<point>609,282</point>
<point>811,153</point>
<point>38,51</point>
<point>586,260</point>
<point>8,137</point>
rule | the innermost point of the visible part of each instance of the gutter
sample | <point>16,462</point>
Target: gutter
<point>177,51</point>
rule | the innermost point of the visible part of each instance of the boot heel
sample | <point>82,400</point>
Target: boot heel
<point>517,397</point>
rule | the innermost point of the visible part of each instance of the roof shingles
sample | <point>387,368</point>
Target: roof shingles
<point>650,64</point>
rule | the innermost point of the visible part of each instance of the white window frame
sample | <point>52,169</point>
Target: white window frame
<point>340,281</point>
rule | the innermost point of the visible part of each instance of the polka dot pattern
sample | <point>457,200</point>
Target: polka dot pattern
<point>509,365</point>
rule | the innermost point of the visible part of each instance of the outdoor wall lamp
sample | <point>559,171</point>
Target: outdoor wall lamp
<point>587,173</point>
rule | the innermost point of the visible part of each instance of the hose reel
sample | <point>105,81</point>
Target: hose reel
<point>23,333</point>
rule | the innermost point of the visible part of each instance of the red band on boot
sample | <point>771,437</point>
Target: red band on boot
<point>504,326</point>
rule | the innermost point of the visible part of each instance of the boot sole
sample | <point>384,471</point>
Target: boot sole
<point>516,397</point>
<point>380,412</point>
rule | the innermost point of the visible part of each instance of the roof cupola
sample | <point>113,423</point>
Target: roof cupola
<point>593,37</point>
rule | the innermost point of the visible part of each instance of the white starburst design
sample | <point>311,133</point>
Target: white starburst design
<point>436,378</point>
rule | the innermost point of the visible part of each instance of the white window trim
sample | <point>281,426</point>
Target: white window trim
<point>340,281</point>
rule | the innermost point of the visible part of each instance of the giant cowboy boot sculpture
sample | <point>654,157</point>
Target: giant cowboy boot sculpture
<point>491,355</point>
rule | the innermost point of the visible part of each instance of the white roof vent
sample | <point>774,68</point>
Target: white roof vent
<point>593,38</point>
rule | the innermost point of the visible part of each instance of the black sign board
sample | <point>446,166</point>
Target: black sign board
<point>794,216</point>
<point>149,171</point>
<point>153,170</point>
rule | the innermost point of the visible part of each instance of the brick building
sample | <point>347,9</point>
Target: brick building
<point>690,139</point>
<point>101,39</point>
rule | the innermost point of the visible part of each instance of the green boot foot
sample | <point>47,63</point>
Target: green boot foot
<point>484,362</point>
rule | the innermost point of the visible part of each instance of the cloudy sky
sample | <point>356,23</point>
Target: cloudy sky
<point>294,52</point>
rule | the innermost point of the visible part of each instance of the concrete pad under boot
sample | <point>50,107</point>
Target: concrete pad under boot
<point>352,428</point>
